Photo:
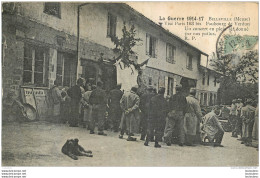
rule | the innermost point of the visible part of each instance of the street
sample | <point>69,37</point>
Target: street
<point>39,144</point>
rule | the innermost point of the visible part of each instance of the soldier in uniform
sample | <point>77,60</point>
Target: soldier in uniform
<point>233,117</point>
<point>75,95</point>
<point>159,110</point>
<point>175,118</point>
<point>98,100</point>
<point>248,118</point>
<point>115,111</point>
<point>192,116</point>
<point>145,108</point>
<point>213,128</point>
<point>129,103</point>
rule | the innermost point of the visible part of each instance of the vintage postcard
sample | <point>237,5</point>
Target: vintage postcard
<point>129,84</point>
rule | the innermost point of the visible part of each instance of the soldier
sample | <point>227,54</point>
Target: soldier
<point>115,111</point>
<point>192,116</point>
<point>159,110</point>
<point>98,100</point>
<point>213,128</point>
<point>87,106</point>
<point>238,127</point>
<point>56,98</point>
<point>233,117</point>
<point>145,108</point>
<point>175,118</point>
<point>75,95</point>
<point>129,103</point>
<point>248,117</point>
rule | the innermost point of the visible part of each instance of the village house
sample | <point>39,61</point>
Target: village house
<point>44,42</point>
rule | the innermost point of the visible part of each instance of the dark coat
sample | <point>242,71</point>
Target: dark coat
<point>158,108</point>
<point>115,96</point>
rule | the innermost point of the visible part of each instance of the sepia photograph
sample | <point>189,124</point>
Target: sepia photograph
<point>129,84</point>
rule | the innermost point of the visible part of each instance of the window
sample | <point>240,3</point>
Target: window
<point>60,66</point>
<point>170,53</point>
<point>215,81</point>
<point>189,62</point>
<point>111,25</point>
<point>203,78</point>
<point>150,81</point>
<point>205,99</point>
<point>201,98</point>
<point>208,79</point>
<point>151,46</point>
<point>170,86</point>
<point>52,8</point>
<point>35,66</point>
<point>66,67</point>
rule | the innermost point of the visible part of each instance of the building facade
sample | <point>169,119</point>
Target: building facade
<point>44,42</point>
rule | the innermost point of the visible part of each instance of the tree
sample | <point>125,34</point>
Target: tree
<point>124,47</point>
<point>238,69</point>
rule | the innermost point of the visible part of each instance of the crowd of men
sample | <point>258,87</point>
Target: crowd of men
<point>177,119</point>
<point>244,121</point>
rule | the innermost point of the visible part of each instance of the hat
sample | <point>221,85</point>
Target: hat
<point>234,100</point>
<point>239,99</point>
<point>192,91</point>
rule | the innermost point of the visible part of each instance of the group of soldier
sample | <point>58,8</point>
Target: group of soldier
<point>244,121</point>
<point>177,119</point>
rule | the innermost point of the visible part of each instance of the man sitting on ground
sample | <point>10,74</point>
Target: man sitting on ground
<point>212,128</point>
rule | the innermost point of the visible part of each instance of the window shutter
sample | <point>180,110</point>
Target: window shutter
<point>155,47</point>
<point>173,53</point>
<point>147,43</point>
<point>187,61</point>
<point>108,25</point>
<point>166,85</point>
<point>115,23</point>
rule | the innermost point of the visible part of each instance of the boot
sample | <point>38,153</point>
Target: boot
<point>131,139</point>
<point>102,133</point>
<point>146,143</point>
<point>156,145</point>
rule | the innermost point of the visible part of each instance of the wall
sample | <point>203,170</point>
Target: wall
<point>34,11</point>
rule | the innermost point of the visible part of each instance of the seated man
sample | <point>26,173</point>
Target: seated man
<point>212,128</point>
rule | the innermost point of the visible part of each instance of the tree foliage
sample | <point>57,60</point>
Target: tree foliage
<point>240,68</point>
<point>240,74</point>
<point>124,46</point>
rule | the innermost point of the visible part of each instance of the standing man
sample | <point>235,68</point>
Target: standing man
<point>129,103</point>
<point>159,110</point>
<point>192,116</point>
<point>238,129</point>
<point>233,117</point>
<point>248,118</point>
<point>213,128</point>
<point>98,100</point>
<point>145,108</point>
<point>87,106</point>
<point>56,98</point>
<point>175,118</point>
<point>75,95</point>
<point>115,111</point>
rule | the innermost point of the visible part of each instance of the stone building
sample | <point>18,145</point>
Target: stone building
<point>47,41</point>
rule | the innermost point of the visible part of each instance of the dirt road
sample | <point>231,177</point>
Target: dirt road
<point>40,143</point>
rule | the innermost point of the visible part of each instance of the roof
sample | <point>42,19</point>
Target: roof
<point>159,27</point>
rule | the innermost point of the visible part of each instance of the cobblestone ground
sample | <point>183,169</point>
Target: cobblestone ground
<point>40,143</point>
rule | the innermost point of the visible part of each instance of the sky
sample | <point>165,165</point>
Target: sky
<point>204,12</point>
